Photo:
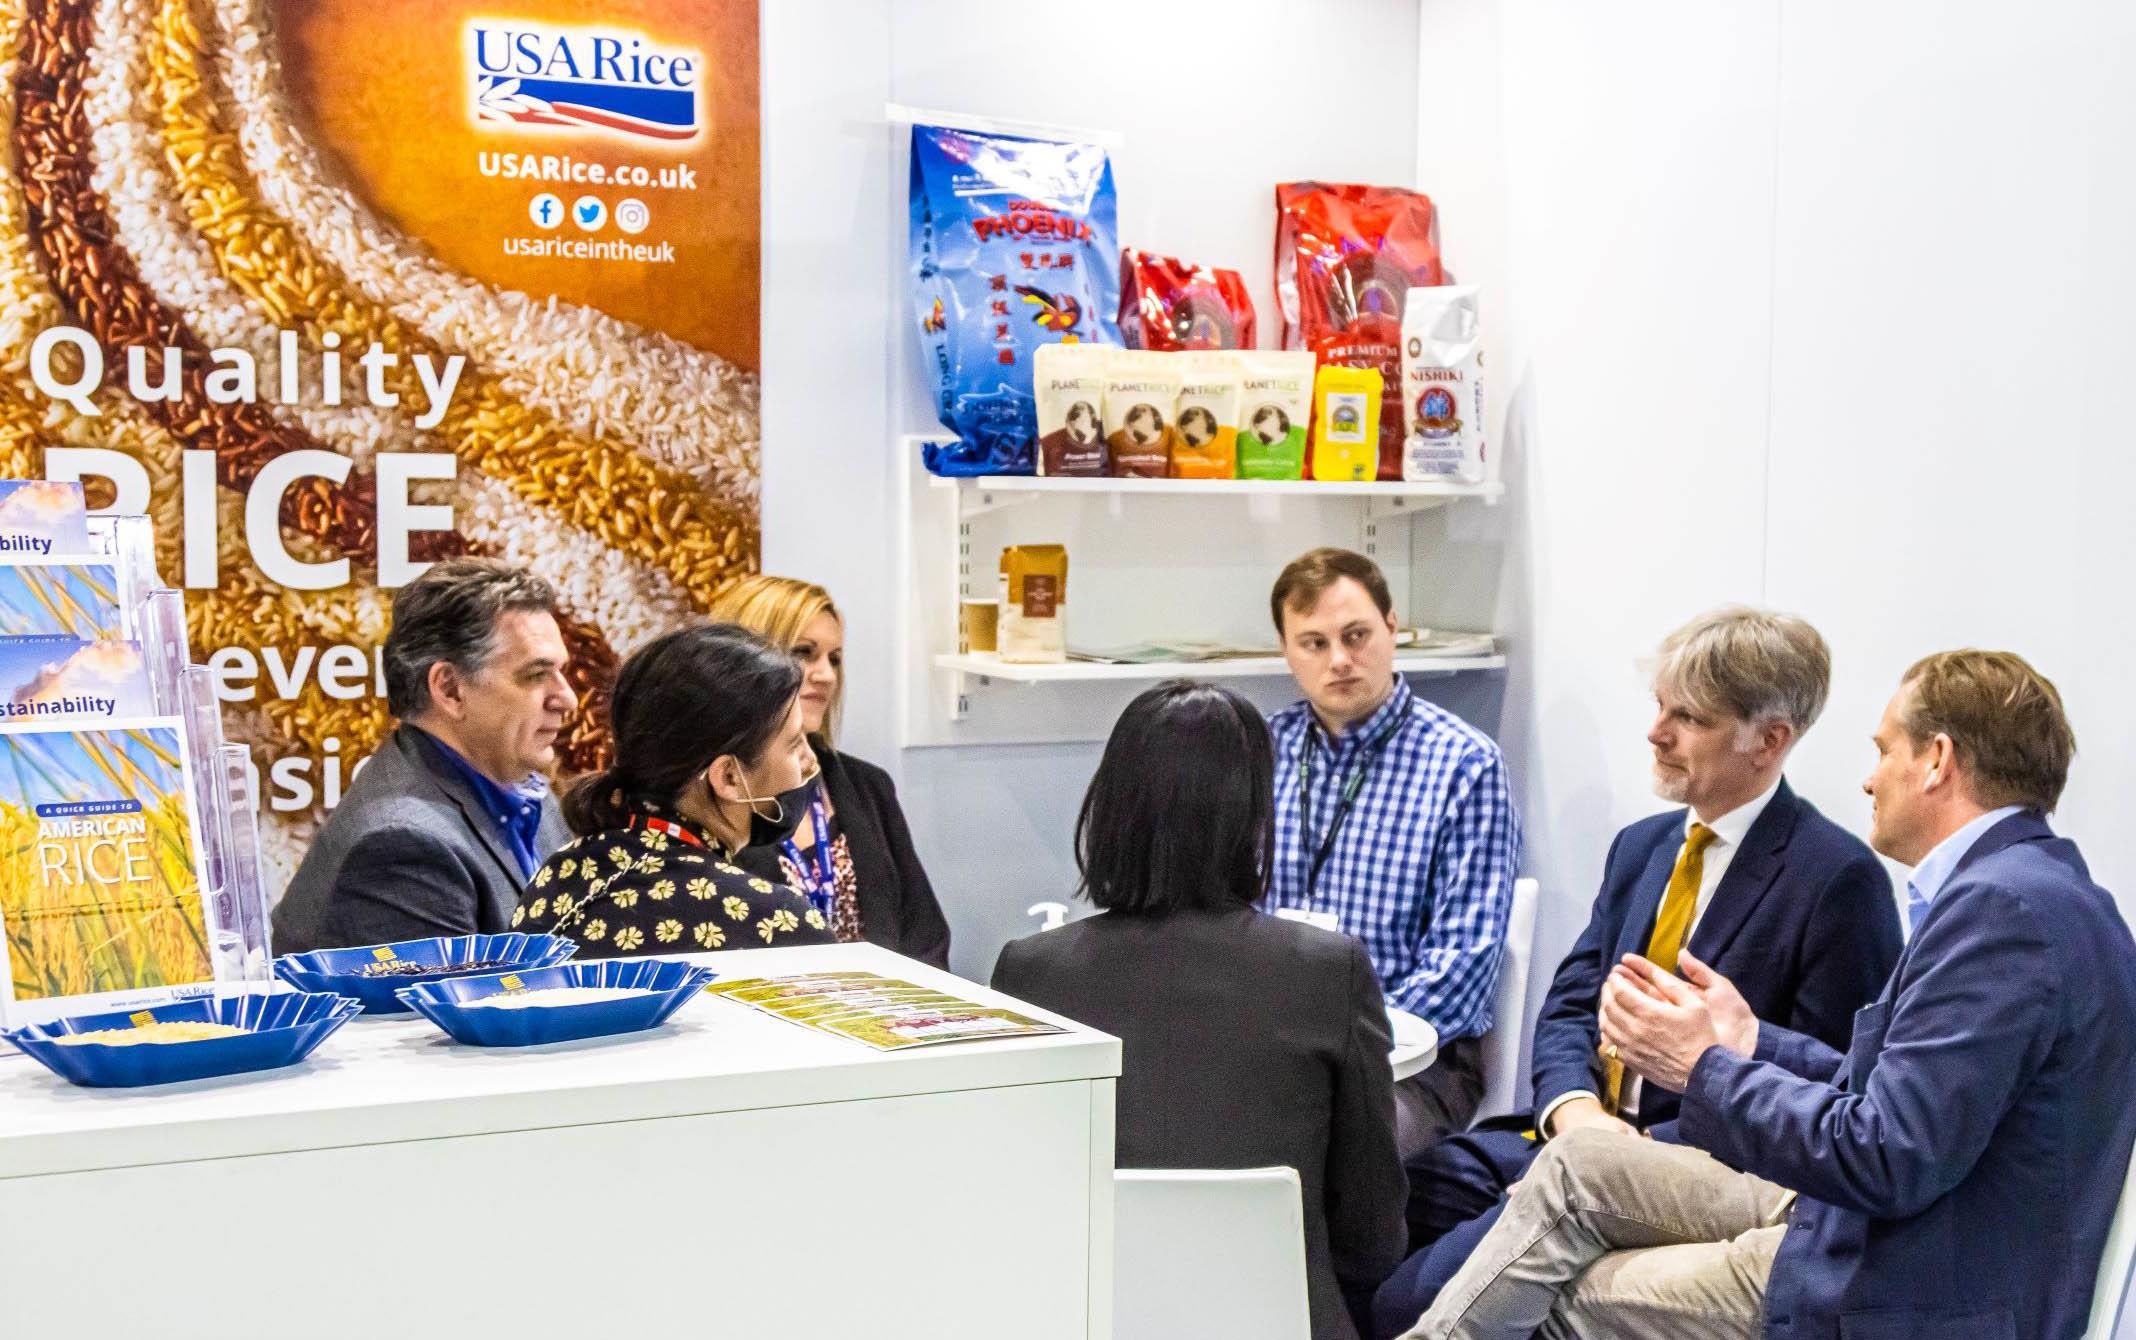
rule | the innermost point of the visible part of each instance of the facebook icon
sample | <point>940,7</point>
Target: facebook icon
<point>545,210</point>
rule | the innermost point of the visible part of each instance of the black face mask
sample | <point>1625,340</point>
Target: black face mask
<point>793,807</point>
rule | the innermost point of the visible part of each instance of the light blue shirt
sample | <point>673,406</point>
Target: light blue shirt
<point>1935,869</point>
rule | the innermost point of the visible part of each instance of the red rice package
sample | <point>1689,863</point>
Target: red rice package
<point>1175,307</point>
<point>1346,258</point>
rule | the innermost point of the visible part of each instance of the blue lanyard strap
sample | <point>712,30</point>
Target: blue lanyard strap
<point>818,871</point>
<point>1368,755</point>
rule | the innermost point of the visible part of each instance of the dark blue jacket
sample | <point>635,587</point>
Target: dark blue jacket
<point>1959,1166</point>
<point>1803,923</point>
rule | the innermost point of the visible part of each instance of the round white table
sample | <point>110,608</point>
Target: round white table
<point>1416,1044</point>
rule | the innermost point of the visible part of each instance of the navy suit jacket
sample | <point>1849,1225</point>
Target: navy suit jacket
<point>1959,1166</point>
<point>1803,923</point>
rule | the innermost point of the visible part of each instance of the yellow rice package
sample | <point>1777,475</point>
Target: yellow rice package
<point>1205,439</point>
<point>1346,411</point>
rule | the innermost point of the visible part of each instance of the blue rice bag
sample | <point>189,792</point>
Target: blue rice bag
<point>1013,246</point>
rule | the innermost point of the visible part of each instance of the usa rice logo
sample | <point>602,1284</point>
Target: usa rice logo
<point>532,76</point>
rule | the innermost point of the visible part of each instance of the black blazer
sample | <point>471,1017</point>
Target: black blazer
<point>898,909</point>
<point>1247,1041</point>
<point>1803,923</point>
<point>408,852</point>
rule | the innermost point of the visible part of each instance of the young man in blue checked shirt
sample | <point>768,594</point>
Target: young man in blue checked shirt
<point>1394,824</point>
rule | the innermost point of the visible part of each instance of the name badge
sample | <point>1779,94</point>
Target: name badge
<point>1324,920</point>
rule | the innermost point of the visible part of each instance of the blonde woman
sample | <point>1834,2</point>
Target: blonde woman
<point>852,854</point>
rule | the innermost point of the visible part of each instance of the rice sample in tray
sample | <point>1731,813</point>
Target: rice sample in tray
<point>551,997</point>
<point>181,1031</point>
<point>405,968</point>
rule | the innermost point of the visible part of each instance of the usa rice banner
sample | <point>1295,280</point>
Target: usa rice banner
<point>335,288</point>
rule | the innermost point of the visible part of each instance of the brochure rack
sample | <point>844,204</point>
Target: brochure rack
<point>135,876</point>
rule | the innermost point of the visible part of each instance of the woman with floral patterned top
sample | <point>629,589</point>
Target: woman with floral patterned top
<point>710,758</point>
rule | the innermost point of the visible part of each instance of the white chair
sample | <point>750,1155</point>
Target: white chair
<point>2115,1264</point>
<point>1216,1252</point>
<point>1509,1009</point>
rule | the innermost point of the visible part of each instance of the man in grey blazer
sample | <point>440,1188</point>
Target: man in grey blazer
<point>443,826</point>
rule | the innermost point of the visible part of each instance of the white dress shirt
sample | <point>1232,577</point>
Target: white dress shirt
<point>1728,833</point>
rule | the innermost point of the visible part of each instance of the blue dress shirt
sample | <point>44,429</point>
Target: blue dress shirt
<point>1935,869</point>
<point>515,810</point>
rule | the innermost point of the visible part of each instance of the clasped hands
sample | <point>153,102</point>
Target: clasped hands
<point>1659,1024</point>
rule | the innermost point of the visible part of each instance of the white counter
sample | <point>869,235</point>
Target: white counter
<point>727,1172</point>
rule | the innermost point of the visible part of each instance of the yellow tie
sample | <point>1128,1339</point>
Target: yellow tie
<point>1671,925</point>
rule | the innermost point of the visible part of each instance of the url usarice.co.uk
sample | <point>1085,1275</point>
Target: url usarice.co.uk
<point>564,168</point>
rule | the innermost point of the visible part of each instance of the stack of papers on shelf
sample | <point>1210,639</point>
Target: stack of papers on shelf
<point>1446,642</point>
<point>882,1012</point>
<point>1160,653</point>
<point>1440,642</point>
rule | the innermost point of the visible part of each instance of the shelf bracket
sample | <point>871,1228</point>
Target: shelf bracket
<point>1403,509</point>
<point>990,500</point>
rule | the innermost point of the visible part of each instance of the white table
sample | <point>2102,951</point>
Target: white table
<point>1416,1044</point>
<point>728,1174</point>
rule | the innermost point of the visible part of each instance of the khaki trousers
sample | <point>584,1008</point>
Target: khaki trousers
<point>1613,1237</point>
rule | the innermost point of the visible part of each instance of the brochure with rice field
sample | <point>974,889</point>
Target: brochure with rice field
<point>55,679</point>
<point>100,869</point>
<point>880,1012</point>
<point>60,599</point>
<point>41,520</point>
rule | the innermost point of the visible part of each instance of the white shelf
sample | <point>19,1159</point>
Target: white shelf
<point>990,667</point>
<point>1490,491</point>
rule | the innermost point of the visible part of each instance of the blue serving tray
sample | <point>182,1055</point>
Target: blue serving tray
<point>446,1003</point>
<point>283,1029</point>
<point>340,970</point>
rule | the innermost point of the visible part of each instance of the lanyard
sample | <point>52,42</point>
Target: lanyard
<point>1317,857</point>
<point>653,823</point>
<point>818,871</point>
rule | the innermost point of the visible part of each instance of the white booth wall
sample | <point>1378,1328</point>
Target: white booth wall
<point>1809,304</point>
<point>1214,103</point>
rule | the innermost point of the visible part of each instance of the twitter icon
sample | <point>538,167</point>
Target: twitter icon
<point>545,210</point>
<point>589,213</point>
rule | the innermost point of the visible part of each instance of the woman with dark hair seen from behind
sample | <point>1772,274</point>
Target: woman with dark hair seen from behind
<point>710,759</point>
<point>1246,1040</point>
<point>853,854</point>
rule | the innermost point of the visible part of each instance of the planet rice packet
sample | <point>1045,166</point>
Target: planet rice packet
<point>1012,248</point>
<point>1070,387</point>
<point>1141,407</point>
<point>1275,412</point>
<point>1205,440</point>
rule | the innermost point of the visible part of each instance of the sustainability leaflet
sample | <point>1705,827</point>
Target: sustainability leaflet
<point>41,520</point>
<point>57,678</point>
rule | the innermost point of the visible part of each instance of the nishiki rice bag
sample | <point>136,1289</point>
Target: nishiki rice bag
<point>1012,248</point>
